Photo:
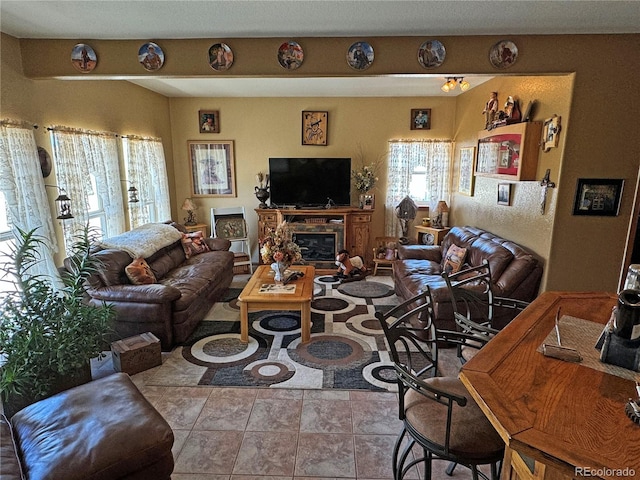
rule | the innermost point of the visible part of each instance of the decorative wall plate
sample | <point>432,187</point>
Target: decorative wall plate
<point>151,56</point>
<point>290,55</point>
<point>83,58</point>
<point>431,54</point>
<point>220,57</point>
<point>360,56</point>
<point>503,54</point>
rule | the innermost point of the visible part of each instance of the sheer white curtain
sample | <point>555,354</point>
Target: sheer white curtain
<point>433,157</point>
<point>22,184</point>
<point>146,169</point>
<point>79,153</point>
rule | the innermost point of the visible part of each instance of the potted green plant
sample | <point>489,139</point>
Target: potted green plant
<point>48,334</point>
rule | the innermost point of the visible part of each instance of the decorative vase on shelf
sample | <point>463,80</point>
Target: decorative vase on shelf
<point>262,194</point>
<point>279,269</point>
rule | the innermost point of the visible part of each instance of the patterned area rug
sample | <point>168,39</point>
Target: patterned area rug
<point>346,351</point>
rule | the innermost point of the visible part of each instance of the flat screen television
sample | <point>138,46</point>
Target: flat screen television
<point>310,182</point>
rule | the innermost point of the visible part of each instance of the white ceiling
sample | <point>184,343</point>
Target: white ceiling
<point>158,19</point>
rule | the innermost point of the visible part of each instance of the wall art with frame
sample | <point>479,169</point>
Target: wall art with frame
<point>466,179</point>
<point>598,197</point>
<point>314,128</point>
<point>211,165</point>
<point>420,119</point>
<point>504,194</point>
<point>209,121</point>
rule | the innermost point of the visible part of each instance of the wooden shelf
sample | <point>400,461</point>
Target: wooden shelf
<point>509,152</point>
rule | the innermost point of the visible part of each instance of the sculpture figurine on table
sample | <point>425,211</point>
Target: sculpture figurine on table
<point>350,269</point>
<point>490,110</point>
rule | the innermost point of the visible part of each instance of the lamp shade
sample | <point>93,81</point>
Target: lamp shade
<point>442,207</point>
<point>188,205</point>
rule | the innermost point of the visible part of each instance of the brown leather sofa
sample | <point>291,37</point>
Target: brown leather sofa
<point>172,308</point>
<point>515,271</point>
<point>102,430</point>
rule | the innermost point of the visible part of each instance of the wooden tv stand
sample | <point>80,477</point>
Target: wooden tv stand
<point>351,226</point>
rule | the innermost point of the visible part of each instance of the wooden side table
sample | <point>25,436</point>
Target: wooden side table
<point>198,227</point>
<point>430,235</point>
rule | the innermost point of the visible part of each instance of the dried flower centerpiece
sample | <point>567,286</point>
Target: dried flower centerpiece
<point>279,250</point>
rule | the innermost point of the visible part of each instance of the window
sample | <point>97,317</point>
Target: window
<point>146,169</point>
<point>7,241</point>
<point>87,167</point>
<point>420,169</point>
<point>97,217</point>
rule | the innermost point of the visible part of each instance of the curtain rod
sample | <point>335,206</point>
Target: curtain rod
<point>414,140</point>
<point>138,137</point>
<point>8,122</point>
<point>61,128</point>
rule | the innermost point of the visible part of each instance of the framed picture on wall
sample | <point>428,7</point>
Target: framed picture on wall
<point>209,121</point>
<point>504,194</point>
<point>211,166</point>
<point>466,179</point>
<point>314,128</point>
<point>420,119</point>
<point>598,197</point>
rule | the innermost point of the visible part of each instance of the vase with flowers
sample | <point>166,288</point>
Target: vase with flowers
<point>279,250</point>
<point>365,178</point>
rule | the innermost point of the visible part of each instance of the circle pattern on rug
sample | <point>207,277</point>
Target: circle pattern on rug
<point>280,322</point>
<point>329,304</point>
<point>327,279</point>
<point>364,289</point>
<point>323,350</point>
<point>267,372</point>
<point>225,348</point>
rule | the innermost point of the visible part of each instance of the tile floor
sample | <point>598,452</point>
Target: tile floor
<point>278,434</point>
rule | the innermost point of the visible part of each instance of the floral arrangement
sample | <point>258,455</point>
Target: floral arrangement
<point>365,178</point>
<point>278,246</point>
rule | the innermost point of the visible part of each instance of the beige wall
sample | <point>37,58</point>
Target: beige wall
<point>271,127</point>
<point>521,222</point>
<point>112,106</point>
<point>600,137</point>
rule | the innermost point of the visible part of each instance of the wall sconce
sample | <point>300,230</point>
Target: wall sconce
<point>63,202</point>
<point>132,192</point>
<point>189,206</point>
<point>451,82</point>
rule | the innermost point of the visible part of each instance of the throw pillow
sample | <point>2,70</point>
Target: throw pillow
<point>193,244</point>
<point>454,259</point>
<point>139,272</point>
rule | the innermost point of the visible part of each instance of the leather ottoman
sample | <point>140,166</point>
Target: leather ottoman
<point>102,430</point>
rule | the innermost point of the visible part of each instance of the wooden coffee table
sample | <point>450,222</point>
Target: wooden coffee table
<point>251,299</point>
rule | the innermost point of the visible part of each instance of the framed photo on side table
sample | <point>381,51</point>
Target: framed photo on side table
<point>314,128</point>
<point>598,196</point>
<point>211,165</point>
<point>209,121</point>
<point>466,179</point>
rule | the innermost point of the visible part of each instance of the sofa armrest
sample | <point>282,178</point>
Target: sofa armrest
<point>154,293</point>
<point>420,252</point>
<point>218,243</point>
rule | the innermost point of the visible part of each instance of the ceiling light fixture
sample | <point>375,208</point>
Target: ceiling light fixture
<point>451,82</point>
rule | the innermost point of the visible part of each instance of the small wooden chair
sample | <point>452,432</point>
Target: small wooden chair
<point>385,252</point>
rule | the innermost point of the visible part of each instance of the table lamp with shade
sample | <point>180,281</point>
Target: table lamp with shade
<point>189,206</point>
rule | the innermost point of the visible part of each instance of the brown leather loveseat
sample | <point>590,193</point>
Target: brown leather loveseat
<point>515,271</point>
<point>183,291</point>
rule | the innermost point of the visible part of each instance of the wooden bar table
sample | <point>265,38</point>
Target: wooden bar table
<point>559,420</point>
